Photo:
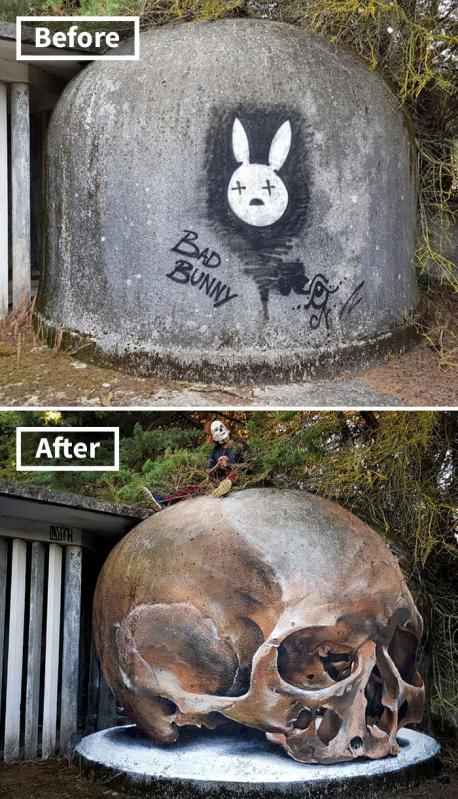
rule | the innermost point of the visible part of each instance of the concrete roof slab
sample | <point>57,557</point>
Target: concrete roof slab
<point>33,504</point>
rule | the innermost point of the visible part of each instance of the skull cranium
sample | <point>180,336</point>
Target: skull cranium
<point>272,608</point>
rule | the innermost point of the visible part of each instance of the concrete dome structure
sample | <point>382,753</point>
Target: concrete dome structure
<point>238,204</point>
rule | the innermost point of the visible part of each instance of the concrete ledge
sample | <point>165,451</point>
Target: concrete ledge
<point>245,367</point>
<point>236,761</point>
<point>13,488</point>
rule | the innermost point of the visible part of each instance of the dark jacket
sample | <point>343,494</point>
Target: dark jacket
<point>237,453</point>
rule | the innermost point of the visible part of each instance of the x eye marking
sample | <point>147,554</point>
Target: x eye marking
<point>238,187</point>
<point>268,187</point>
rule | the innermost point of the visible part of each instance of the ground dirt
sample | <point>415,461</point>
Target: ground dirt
<point>58,779</point>
<point>33,375</point>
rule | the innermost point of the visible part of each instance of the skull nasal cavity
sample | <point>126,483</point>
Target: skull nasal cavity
<point>329,726</point>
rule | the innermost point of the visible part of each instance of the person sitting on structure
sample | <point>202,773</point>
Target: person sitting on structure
<point>228,458</point>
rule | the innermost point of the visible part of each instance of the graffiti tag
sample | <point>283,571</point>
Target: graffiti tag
<point>354,299</point>
<point>286,277</point>
<point>185,272</point>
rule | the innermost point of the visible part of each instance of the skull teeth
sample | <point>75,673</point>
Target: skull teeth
<point>376,732</point>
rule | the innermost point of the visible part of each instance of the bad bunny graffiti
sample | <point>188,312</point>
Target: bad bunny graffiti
<point>258,189</point>
<point>258,184</point>
<point>257,177</point>
<point>256,192</point>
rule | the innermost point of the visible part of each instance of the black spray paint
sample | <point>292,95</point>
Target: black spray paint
<point>265,250</point>
<point>186,273</point>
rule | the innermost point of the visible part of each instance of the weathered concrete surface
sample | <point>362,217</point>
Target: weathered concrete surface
<point>237,761</point>
<point>141,152</point>
<point>273,608</point>
<point>32,374</point>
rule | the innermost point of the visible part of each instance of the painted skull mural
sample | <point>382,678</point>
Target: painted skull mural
<point>256,193</point>
<point>272,608</point>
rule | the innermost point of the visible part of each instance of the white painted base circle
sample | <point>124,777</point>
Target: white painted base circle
<point>236,758</point>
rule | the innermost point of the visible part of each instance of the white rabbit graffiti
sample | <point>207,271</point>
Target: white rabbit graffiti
<point>256,193</point>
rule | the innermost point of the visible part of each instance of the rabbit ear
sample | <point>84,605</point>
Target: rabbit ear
<point>280,146</point>
<point>240,143</point>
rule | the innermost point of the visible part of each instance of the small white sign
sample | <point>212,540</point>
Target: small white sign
<point>53,443</point>
<point>75,38</point>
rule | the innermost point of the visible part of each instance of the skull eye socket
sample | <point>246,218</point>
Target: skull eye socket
<point>337,665</point>
<point>304,660</point>
<point>403,652</point>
